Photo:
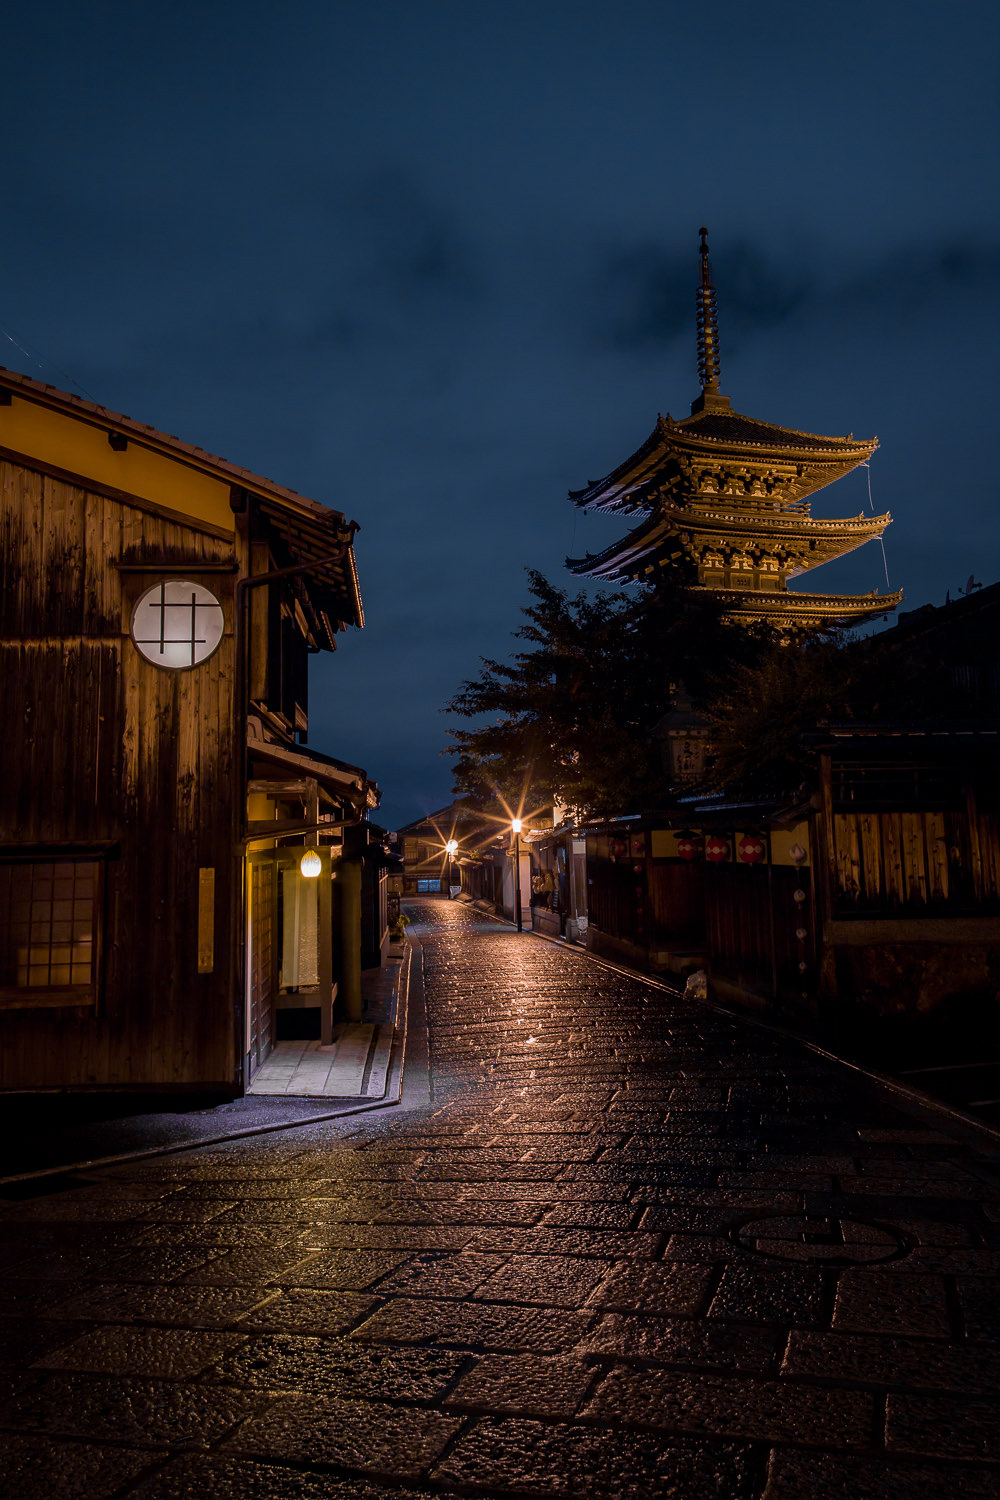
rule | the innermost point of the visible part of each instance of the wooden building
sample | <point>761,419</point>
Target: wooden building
<point>428,867</point>
<point>720,504</point>
<point>869,909</point>
<point>159,607</point>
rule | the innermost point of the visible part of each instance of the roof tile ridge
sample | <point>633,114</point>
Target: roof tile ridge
<point>170,440</point>
<point>684,423</point>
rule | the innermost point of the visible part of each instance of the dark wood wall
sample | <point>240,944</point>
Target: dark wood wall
<point>101,746</point>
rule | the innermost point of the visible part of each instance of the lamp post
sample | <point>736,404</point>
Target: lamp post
<point>450,848</point>
<point>516,830</point>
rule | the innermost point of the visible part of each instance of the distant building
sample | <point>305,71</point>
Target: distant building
<point>869,902</point>
<point>721,503</point>
<point>427,866</point>
<point>176,866</point>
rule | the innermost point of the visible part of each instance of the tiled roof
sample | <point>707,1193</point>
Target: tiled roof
<point>732,427</point>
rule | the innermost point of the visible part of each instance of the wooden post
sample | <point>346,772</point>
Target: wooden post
<point>349,881</point>
<point>325,949</point>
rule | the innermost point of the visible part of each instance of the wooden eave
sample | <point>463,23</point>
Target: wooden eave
<point>308,528</point>
<point>340,780</point>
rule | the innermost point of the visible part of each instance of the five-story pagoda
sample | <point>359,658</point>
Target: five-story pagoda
<point>724,505</point>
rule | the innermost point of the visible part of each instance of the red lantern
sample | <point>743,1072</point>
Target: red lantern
<point>687,845</point>
<point>751,849</point>
<point>716,849</point>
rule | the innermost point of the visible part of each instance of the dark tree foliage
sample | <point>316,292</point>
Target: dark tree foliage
<point>762,710</point>
<point>573,714</point>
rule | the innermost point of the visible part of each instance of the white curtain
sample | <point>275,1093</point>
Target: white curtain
<point>300,938</point>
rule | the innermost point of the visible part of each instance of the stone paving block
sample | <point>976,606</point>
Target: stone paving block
<point>703,1249</point>
<point>160,1264</point>
<point>408,1237</point>
<point>77,1264</point>
<point>187,1306</point>
<point>339,1367</point>
<point>659,1340</point>
<point>548,1280</point>
<point>279,1211</point>
<point>168,1353</point>
<point>607,1243</point>
<point>762,1292</point>
<point>434,1275</point>
<point>346,1271</point>
<point>256,1265</point>
<point>879,1302</point>
<point>935,1232</point>
<point>367,1437</point>
<point>25,1339</point>
<point>529,1458</point>
<point>197,1478</point>
<point>943,1426</point>
<point>39,1468</point>
<point>762,1409</point>
<point>475,1325</point>
<point>294,1189</point>
<point>664,1287</point>
<point>589,1216</point>
<point>793,1476</point>
<point>435,1213</point>
<point>76,1208</point>
<point>137,1412</point>
<point>912,1193</point>
<point>186,1210</point>
<point>23,1297</point>
<point>213,1237</point>
<point>880,1359</point>
<point>525,1385</point>
<point>979,1298</point>
<point>306,1310</point>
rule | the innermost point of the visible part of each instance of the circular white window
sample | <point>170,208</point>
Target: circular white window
<point>177,624</point>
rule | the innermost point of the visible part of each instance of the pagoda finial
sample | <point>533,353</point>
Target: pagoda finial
<point>708,324</point>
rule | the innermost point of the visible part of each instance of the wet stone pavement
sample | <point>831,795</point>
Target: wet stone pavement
<point>632,1247</point>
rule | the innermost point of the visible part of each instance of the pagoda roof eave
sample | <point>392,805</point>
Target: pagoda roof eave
<point>723,435</point>
<point>786,607</point>
<point>829,538</point>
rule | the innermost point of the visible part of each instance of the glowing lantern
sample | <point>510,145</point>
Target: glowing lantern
<point>716,849</point>
<point>310,864</point>
<point>751,849</point>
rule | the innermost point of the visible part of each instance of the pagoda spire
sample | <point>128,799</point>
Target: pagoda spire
<point>707,311</point>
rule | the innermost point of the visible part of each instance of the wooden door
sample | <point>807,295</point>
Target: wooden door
<point>260,1033</point>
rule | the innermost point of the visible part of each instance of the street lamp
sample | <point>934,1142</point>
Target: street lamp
<point>516,830</point>
<point>450,848</point>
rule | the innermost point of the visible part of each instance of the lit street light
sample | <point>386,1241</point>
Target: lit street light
<point>516,830</point>
<point>450,848</point>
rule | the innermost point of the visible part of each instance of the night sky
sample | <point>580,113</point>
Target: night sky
<point>434,263</point>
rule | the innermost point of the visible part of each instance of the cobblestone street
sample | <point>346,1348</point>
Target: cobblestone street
<point>631,1247</point>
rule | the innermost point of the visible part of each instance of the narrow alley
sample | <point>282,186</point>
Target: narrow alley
<point>612,1244</point>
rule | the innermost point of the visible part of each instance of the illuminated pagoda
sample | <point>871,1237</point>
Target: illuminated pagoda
<point>722,503</point>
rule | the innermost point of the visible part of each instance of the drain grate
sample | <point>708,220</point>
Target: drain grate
<point>826,1240</point>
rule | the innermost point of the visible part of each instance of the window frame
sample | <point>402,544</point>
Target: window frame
<point>63,996</point>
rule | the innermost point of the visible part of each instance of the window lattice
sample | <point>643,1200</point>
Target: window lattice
<point>48,924</point>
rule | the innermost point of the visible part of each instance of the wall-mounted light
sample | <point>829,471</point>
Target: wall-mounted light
<point>310,864</point>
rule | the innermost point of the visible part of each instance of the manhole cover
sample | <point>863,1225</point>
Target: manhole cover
<point>832,1241</point>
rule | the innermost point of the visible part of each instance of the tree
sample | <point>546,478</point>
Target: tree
<point>573,716</point>
<point>762,709</point>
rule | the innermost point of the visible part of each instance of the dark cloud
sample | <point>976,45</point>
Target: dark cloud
<point>434,264</point>
<point>641,297</point>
